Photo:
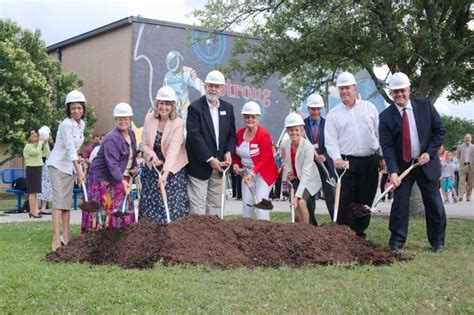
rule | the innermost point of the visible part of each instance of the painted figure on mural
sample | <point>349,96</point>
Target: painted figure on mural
<point>179,77</point>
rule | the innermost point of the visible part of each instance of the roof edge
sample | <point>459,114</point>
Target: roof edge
<point>130,20</point>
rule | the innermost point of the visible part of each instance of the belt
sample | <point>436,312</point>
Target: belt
<point>352,157</point>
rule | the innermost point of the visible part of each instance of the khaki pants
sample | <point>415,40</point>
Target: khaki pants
<point>205,195</point>
<point>466,179</point>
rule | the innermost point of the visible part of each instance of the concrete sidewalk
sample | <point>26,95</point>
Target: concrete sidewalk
<point>463,209</point>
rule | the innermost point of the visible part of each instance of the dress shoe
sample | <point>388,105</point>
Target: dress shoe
<point>35,216</point>
<point>394,249</point>
<point>438,248</point>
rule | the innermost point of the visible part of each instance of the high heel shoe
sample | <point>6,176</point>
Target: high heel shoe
<point>55,245</point>
<point>63,242</point>
<point>38,216</point>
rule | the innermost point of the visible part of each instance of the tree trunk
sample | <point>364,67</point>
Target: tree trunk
<point>416,203</point>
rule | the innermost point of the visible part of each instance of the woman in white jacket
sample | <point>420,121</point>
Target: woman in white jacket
<point>299,167</point>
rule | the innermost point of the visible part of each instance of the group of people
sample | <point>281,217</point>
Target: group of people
<point>456,171</point>
<point>354,141</point>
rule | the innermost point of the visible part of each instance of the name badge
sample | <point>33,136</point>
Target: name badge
<point>253,145</point>
<point>316,146</point>
<point>223,113</point>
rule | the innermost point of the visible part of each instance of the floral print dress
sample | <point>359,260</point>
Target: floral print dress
<point>151,203</point>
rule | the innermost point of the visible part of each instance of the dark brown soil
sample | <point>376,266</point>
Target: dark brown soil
<point>357,210</point>
<point>209,241</point>
<point>89,206</point>
<point>265,204</point>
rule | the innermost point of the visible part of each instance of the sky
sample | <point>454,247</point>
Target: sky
<point>59,20</point>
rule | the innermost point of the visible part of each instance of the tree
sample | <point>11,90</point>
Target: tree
<point>310,41</point>
<point>456,129</point>
<point>32,87</point>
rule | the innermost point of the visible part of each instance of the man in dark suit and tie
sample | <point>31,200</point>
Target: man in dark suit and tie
<point>210,140</point>
<point>314,127</point>
<point>411,128</point>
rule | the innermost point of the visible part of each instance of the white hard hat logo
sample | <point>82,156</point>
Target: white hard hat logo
<point>123,110</point>
<point>215,77</point>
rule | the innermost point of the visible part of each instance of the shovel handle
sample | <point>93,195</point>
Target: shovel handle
<point>84,192</point>
<point>336,200</point>
<point>292,206</point>
<point>391,186</point>
<point>165,202</point>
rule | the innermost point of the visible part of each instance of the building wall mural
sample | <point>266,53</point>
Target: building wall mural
<point>181,58</point>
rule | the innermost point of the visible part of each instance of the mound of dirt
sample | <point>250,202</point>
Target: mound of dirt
<point>209,241</point>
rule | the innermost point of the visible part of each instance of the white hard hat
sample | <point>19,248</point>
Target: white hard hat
<point>75,96</point>
<point>251,108</point>
<point>293,120</point>
<point>315,101</point>
<point>44,133</point>
<point>215,77</point>
<point>123,110</point>
<point>398,80</point>
<point>345,79</point>
<point>166,93</point>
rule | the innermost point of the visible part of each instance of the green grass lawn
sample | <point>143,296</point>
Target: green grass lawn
<point>430,284</point>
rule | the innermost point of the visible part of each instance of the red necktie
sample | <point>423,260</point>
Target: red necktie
<point>406,143</point>
<point>315,132</point>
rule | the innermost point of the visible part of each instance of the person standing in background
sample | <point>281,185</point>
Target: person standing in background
<point>447,179</point>
<point>466,158</point>
<point>454,155</point>
<point>32,153</point>
<point>314,127</point>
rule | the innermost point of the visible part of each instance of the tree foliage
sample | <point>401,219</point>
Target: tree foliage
<point>310,41</point>
<point>456,129</point>
<point>32,86</point>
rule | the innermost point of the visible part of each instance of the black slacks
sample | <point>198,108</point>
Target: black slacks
<point>434,209</point>
<point>358,185</point>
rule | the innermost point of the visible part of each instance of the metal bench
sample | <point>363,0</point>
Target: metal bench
<point>9,175</point>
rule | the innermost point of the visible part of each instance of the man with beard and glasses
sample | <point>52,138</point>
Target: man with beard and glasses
<point>210,141</point>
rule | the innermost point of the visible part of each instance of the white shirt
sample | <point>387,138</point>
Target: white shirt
<point>243,151</point>
<point>352,131</point>
<point>214,110</point>
<point>68,140</point>
<point>414,140</point>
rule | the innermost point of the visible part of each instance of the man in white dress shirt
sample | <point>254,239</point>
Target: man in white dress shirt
<point>352,142</point>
